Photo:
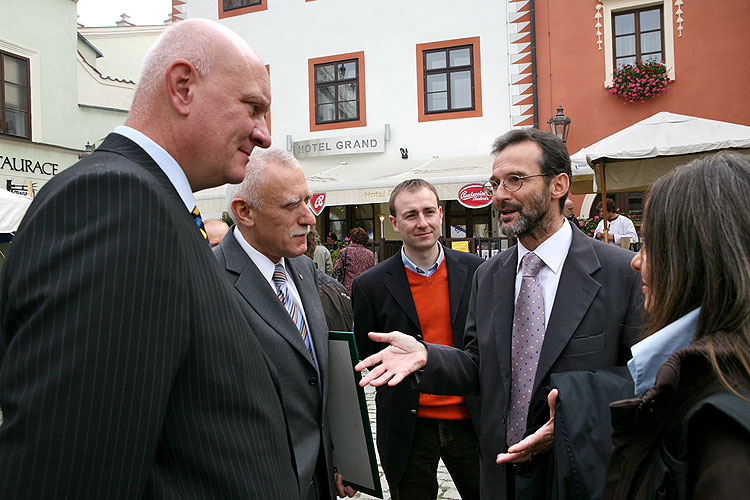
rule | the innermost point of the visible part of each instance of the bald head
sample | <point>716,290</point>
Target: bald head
<point>215,230</point>
<point>570,208</point>
<point>202,96</point>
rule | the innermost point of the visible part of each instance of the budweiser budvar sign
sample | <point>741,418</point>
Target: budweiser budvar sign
<point>473,196</point>
<point>317,203</point>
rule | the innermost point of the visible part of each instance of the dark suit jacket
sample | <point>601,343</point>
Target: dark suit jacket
<point>595,319</point>
<point>304,395</point>
<point>127,369</point>
<point>382,302</point>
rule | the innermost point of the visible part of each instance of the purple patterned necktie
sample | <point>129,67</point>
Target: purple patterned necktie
<point>528,336</point>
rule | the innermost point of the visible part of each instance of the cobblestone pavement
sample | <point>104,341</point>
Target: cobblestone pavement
<point>446,488</point>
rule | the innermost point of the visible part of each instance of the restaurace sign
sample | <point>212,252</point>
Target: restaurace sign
<point>27,166</point>
<point>328,146</point>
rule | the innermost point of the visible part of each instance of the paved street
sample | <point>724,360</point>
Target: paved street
<point>446,489</point>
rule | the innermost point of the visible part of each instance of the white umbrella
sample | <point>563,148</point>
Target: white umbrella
<point>12,209</point>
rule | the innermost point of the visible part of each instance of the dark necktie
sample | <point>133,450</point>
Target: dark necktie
<point>290,304</point>
<point>199,221</point>
<point>528,336</point>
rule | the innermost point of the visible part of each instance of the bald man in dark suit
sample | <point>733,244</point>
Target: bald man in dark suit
<point>127,369</point>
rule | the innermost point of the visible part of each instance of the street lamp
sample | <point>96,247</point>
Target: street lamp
<point>560,125</point>
<point>382,226</point>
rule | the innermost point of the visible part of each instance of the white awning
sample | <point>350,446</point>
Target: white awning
<point>14,207</point>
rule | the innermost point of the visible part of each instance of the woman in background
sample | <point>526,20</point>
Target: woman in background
<point>687,434</point>
<point>354,259</point>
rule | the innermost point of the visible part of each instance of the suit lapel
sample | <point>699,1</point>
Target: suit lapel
<point>256,291</point>
<point>397,285</point>
<point>457,273</point>
<point>503,286</point>
<point>575,293</point>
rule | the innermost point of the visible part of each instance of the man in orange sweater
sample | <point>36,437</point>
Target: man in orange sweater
<point>422,291</point>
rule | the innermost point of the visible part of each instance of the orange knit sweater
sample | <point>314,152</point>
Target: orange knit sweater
<point>432,300</point>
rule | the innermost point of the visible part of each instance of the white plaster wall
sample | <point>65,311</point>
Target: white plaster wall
<point>123,48</point>
<point>289,33</point>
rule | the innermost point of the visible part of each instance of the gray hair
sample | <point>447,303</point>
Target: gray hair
<point>256,175</point>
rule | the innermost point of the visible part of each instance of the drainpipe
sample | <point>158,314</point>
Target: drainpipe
<point>534,87</point>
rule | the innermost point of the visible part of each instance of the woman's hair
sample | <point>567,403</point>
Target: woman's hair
<point>359,236</point>
<point>697,242</point>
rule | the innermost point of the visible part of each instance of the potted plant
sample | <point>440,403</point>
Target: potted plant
<point>640,81</point>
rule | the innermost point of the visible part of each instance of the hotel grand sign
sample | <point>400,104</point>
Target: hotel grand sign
<point>328,146</point>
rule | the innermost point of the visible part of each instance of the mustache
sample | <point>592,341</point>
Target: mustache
<point>300,232</point>
<point>504,205</point>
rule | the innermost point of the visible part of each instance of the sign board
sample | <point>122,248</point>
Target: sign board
<point>473,196</point>
<point>345,145</point>
<point>317,203</point>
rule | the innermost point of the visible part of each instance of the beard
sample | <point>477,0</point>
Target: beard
<point>529,220</point>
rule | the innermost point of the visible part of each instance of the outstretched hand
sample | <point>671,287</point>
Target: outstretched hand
<point>403,356</point>
<point>539,442</point>
<point>341,490</point>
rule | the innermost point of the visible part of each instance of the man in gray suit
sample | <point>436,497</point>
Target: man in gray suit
<point>519,329</point>
<point>127,369</point>
<point>277,289</point>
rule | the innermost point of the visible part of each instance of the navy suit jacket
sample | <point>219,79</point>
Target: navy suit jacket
<point>127,369</point>
<point>595,318</point>
<point>382,302</point>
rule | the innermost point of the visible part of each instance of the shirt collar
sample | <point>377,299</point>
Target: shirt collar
<point>650,353</point>
<point>553,250</point>
<point>263,263</point>
<point>413,267</point>
<point>169,166</point>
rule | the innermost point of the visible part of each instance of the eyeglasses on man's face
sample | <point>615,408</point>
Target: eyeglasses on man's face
<point>512,183</point>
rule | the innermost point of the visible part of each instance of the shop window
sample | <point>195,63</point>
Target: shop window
<point>449,82</point>
<point>637,30</point>
<point>15,102</point>
<point>337,92</point>
<point>340,219</point>
<point>230,8</point>
<point>465,222</point>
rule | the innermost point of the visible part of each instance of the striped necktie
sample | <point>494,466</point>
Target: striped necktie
<point>199,221</point>
<point>290,304</point>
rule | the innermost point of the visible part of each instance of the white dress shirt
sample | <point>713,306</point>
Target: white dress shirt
<point>412,266</point>
<point>553,252</point>
<point>621,226</point>
<point>169,166</point>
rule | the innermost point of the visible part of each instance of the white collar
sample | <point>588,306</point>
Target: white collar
<point>169,166</point>
<point>553,250</point>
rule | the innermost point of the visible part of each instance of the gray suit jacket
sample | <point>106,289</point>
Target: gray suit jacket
<point>304,393</point>
<point>595,319</point>
<point>127,369</point>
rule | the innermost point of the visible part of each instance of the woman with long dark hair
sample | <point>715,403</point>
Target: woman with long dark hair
<point>687,434</point>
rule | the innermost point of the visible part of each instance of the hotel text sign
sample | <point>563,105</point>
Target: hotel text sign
<point>328,146</point>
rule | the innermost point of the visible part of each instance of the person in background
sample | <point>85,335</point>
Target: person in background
<point>687,434</point>
<point>215,230</point>
<point>570,213</point>
<point>319,253</point>
<point>337,304</point>
<point>355,259</point>
<point>618,226</point>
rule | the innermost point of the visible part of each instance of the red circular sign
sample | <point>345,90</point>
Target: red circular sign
<point>473,196</point>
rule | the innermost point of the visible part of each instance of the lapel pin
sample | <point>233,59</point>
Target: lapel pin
<point>300,276</point>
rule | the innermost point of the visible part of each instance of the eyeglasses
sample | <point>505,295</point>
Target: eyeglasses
<point>512,183</point>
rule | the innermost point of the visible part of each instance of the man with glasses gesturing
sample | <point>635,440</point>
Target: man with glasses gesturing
<point>518,326</point>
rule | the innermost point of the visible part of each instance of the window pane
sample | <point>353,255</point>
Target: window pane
<point>236,4</point>
<point>651,42</point>
<point>15,96</point>
<point>337,212</point>
<point>622,61</point>
<point>325,113</point>
<point>437,101</point>
<point>650,20</point>
<point>625,24</point>
<point>348,110</point>
<point>434,60</point>
<point>625,46</point>
<point>461,90</point>
<point>348,92</point>
<point>324,73</point>
<point>460,57</point>
<point>652,57</point>
<point>437,83</point>
<point>324,95</point>
<point>15,123</point>
<point>363,212</point>
<point>15,70</point>
<point>347,70</point>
